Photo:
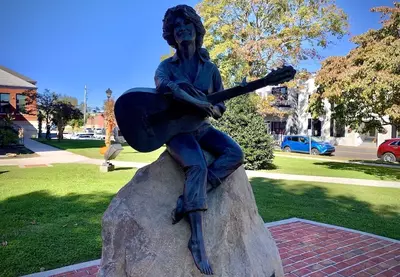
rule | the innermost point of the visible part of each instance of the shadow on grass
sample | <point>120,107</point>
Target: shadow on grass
<point>3,171</point>
<point>123,168</point>
<point>380,172</point>
<point>49,231</point>
<point>17,149</point>
<point>377,161</point>
<point>73,143</point>
<point>278,200</point>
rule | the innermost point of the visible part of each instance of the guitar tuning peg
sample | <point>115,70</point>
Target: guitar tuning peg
<point>244,82</point>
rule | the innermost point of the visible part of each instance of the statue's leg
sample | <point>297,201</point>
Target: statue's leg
<point>228,155</point>
<point>185,149</point>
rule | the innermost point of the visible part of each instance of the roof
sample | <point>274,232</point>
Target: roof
<point>10,78</point>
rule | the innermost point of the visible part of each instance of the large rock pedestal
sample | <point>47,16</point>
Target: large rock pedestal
<point>140,241</point>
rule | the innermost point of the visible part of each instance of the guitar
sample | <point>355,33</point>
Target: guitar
<point>148,119</point>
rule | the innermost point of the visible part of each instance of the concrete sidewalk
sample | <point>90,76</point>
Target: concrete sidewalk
<point>47,155</point>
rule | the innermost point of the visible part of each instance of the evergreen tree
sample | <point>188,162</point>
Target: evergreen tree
<point>242,122</point>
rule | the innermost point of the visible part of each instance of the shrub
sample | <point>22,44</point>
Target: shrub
<point>7,136</point>
<point>242,122</point>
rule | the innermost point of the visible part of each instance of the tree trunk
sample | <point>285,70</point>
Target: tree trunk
<point>60,128</point>
<point>47,131</point>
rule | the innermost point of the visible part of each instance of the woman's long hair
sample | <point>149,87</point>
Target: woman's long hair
<point>185,12</point>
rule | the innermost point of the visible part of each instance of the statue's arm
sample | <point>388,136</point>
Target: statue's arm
<point>165,84</point>
<point>218,86</point>
<point>163,81</point>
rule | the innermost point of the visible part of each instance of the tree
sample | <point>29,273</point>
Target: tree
<point>45,104</point>
<point>364,85</point>
<point>40,122</point>
<point>170,54</point>
<point>110,122</point>
<point>250,37</point>
<point>247,38</point>
<point>68,99</point>
<point>64,112</point>
<point>76,123</point>
<point>248,129</point>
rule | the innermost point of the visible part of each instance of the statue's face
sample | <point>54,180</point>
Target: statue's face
<point>184,31</point>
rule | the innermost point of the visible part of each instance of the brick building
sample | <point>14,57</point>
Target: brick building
<point>14,89</point>
<point>95,120</point>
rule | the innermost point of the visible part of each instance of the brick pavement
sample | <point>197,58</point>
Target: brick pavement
<point>312,250</point>
<point>318,251</point>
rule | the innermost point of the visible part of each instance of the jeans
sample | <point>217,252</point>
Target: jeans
<point>186,149</point>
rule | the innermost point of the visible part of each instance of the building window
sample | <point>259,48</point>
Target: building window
<point>281,96</point>
<point>316,127</point>
<point>21,103</point>
<point>5,103</point>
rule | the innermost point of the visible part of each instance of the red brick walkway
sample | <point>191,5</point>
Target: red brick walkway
<point>312,250</point>
<point>317,251</point>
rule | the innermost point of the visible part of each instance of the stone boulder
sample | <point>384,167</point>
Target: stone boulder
<point>140,241</point>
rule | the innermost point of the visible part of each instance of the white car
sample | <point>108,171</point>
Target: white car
<point>82,136</point>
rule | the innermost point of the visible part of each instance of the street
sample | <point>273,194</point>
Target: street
<point>356,153</point>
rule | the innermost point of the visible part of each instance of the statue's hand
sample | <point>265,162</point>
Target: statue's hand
<point>216,112</point>
<point>206,107</point>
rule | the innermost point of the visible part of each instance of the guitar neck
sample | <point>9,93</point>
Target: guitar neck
<point>227,94</point>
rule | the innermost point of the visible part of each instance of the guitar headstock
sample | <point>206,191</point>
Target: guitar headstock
<point>280,75</point>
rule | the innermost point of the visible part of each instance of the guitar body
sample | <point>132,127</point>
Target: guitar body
<point>147,119</point>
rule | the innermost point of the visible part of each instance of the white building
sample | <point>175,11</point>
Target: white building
<point>298,120</point>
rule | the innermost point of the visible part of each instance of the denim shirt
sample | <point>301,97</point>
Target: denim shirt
<point>208,79</point>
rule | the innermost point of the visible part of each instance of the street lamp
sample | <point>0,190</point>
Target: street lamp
<point>108,93</point>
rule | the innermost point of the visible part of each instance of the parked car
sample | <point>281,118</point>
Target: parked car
<point>302,144</point>
<point>389,150</point>
<point>82,136</point>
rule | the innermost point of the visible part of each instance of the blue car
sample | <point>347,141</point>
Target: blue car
<point>301,144</point>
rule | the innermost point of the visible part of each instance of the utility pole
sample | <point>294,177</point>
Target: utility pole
<point>84,106</point>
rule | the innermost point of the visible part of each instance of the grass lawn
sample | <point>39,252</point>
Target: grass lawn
<point>369,209</point>
<point>90,148</point>
<point>334,169</point>
<point>56,219</point>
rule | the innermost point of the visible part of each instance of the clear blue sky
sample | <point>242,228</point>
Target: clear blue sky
<point>65,44</point>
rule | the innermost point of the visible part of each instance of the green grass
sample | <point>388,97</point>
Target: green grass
<point>334,169</point>
<point>91,149</point>
<point>51,216</point>
<point>370,209</point>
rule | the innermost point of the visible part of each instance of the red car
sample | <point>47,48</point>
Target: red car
<point>389,151</point>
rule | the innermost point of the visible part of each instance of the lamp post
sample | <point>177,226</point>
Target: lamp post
<point>108,93</point>
<point>108,125</point>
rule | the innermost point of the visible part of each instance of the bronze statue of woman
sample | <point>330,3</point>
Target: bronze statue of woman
<point>190,75</point>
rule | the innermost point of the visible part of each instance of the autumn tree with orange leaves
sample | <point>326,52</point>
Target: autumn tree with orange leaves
<point>364,85</point>
<point>109,119</point>
<point>248,38</point>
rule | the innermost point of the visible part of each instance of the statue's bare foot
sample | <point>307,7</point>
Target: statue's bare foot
<point>199,256</point>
